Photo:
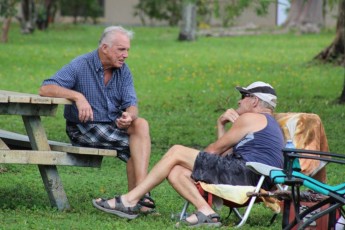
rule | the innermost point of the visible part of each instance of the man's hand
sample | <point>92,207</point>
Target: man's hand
<point>124,121</point>
<point>85,112</point>
<point>230,115</point>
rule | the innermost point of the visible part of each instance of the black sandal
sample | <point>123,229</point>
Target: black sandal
<point>119,210</point>
<point>149,204</point>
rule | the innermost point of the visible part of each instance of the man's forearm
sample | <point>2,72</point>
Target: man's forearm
<point>220,130</point>
<point>133,111</point>
<point>58,91</point>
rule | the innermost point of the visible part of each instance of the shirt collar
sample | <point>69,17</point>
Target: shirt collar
<point>97,61</point>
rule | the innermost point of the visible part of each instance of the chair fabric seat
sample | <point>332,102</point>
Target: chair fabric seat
<point>233,193</point>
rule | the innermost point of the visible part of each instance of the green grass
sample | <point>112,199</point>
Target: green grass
<point>182,89</point>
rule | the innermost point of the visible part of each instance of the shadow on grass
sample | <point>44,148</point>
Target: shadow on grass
<point>18,196</point>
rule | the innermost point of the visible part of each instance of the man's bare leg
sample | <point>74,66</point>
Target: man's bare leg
<point>180,179</point>
<point>140,147</point>
<point>176,155</point>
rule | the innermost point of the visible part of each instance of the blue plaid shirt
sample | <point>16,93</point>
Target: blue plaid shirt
<point>85,74</point>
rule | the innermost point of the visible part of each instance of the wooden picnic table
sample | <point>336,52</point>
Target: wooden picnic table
<point>31,107</point>
<point>42,152</point>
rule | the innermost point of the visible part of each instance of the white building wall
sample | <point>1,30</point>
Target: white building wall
<point>120,12</point>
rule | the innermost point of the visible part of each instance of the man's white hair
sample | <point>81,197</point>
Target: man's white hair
<point>107,37</point>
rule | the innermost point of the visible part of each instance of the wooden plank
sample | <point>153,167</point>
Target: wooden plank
<point>28,109</point>
<point>56,100</point>
<point>3,145</point>
<point>107,152</point>
<point>31,157</point>
<point>3,98</point>
<point>20,140</point>
<point>47,158</point>
<point>41,100</point>
<point>75,149</point>
<point>18,97</point>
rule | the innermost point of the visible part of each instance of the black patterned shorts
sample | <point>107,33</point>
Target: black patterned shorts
<point>99,135</point>
<point>231,169</point>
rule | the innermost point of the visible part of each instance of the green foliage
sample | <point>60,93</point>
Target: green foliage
<point>8,8</point>
<point>84,8</point>
<point>160,10</point>
<point>170,11</point>
<point>182,89</point>
<point>230,10</point>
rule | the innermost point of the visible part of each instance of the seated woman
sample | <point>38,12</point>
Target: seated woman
<point>254,136</point>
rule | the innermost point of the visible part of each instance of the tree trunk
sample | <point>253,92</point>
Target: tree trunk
<point>27,21</point>
<point>5,28</point>
<point>335,52</point>
<point>306,16</point>
<point>188,25</point>
<point>45,14</point>
<point>342,96</point>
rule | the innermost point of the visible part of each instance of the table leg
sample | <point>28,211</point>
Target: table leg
<point>49,174</point>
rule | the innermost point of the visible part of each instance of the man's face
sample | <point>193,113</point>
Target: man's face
<point>117,53</point>
<point>245,104</point>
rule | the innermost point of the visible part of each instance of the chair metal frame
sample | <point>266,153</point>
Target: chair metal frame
<point>259,168</point>
<point>292,177</point>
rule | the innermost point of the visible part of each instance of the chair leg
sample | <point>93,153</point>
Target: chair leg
<point>183,214</point>
<point>251,203</point>
<point>238,214</point>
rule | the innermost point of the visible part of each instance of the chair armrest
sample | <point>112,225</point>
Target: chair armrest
<point>290,155</point>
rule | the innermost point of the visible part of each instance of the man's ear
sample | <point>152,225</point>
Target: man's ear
<point>104,48</point>
<point>255,102</point>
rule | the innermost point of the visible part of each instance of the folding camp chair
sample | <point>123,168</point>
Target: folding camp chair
<point>307,131</point>
<point>291,175</point>
<point>220,191</point>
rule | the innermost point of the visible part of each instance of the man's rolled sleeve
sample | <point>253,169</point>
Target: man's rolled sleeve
<point>65,77</point>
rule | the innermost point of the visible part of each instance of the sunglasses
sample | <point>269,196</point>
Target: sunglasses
<point>244,95</point>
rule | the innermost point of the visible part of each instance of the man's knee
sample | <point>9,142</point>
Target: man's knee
<point>174,174</point>
<point>141,122</point>
<point>177,153</point>
<point>174,150</point>
<point>139,125</point>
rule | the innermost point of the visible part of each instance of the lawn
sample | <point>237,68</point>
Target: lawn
<point>182,89</point>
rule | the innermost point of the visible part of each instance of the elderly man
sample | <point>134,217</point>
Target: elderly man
<point>254,136</point>
<point>104,112</point>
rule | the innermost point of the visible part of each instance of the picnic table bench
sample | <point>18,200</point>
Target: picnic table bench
<point>35,148</point>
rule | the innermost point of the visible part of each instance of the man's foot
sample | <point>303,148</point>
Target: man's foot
<point>199,219</point>
<point>118,209</point>
<point>147,204</point>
